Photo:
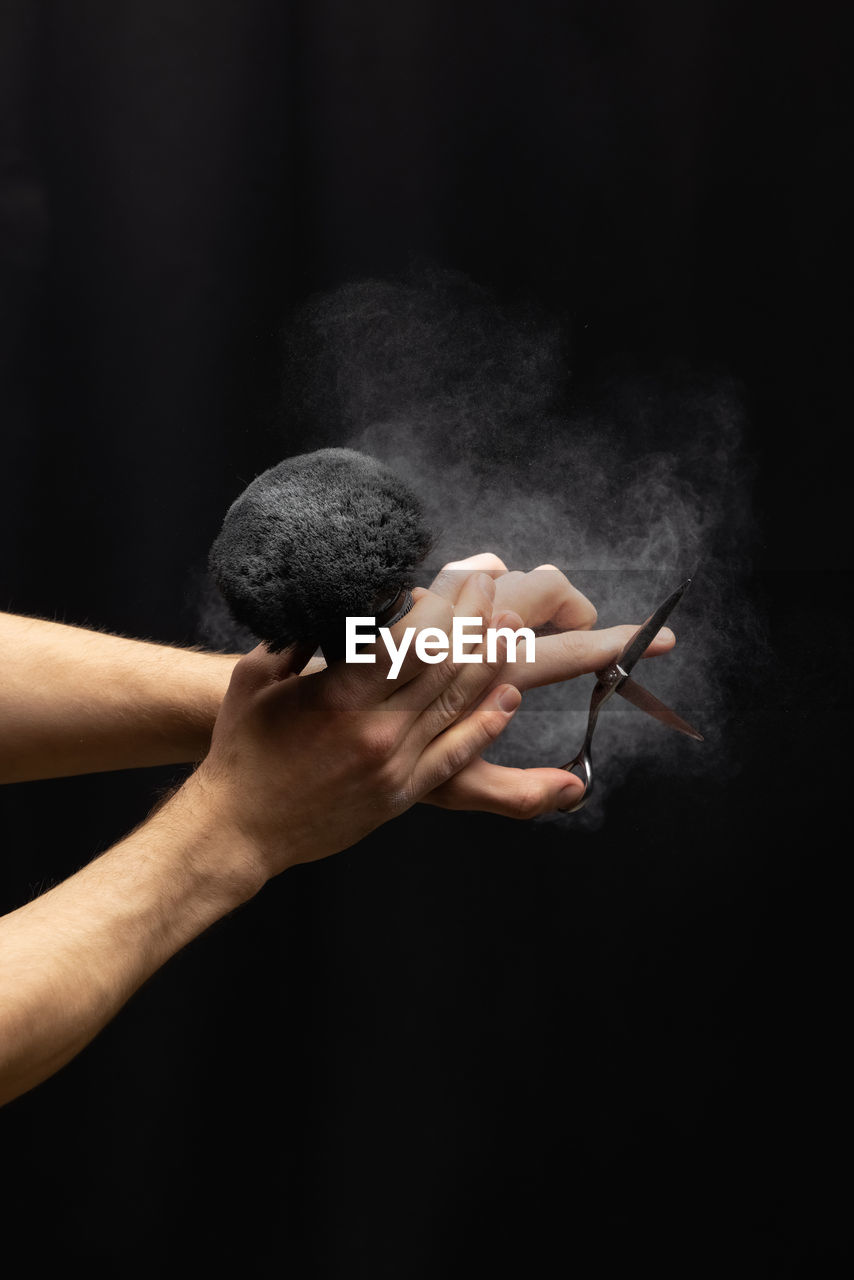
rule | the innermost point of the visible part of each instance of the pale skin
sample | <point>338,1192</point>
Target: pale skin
<point>292,768</point>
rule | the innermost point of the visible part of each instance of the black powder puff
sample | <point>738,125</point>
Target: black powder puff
<point>315,539</point>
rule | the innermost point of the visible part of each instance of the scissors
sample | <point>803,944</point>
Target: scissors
<point>616,678</point>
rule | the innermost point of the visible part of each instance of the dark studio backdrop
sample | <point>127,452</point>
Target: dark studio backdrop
<point>466,1043</point>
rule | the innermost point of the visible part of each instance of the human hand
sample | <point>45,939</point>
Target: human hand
<point>541,598</point>
<point>300,768</point>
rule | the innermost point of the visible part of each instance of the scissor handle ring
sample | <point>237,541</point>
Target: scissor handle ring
<point>583,761</point>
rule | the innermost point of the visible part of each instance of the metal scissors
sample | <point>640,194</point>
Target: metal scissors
<point>615,678</point>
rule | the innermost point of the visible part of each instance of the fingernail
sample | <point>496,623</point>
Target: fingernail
<point>569,795</point>
<point>665,634</point>
<point>509,699</point>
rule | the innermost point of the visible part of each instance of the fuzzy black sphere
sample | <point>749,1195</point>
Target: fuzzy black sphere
<point>317,538</point>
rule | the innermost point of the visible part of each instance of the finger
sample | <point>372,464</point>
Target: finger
<point>573,653</point>
<point>474,608</point>
<point>484,561</point>
<point>390,661</point>
<point>317,663</point>
<point>451,578</point>
<point>433,610</point>
<point>443,689</point>
<point>545,595</point>
<point>294,660</point>
<point>504,624</point>
<point>512,793</point>
<point>260,668</point>
<point>452,750</point>
<point>457,701</point>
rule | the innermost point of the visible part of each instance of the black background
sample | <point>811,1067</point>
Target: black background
<point>465,1044</point>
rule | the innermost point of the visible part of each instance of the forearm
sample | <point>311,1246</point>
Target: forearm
<point>76,701</point>
<point>70,959</point>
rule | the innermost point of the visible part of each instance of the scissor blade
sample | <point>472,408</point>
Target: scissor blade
<point>646,701</point>
<point>640,641</point>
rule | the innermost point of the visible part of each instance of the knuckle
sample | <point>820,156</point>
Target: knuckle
<point>248,671</point>
<point>487,725</point>
<point>484,561</point>
<point>456,756</point>
<point>451,702</point>
<point>552,585</point>
<point>437,606</point>
<point>447,672</point>
<point>401,794</point>
<point>561,588</point>
<point>332,692</point>
<point>377,741</point>
<point>549,573</point>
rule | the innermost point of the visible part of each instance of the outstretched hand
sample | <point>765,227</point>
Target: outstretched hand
<point>543,597</point>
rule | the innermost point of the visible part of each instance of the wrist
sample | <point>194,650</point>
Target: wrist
<point>210,851</point>
<point>191,694</point>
